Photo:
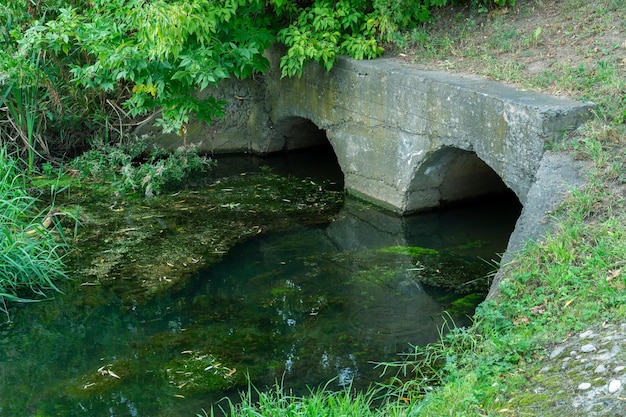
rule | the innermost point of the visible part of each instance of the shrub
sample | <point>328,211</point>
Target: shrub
<point>132,166</point>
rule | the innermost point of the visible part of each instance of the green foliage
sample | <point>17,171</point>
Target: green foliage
<point>356,28</point>
<point>94,58</point>
<point>31,254</point>
<point>154,55</point>
<point>133,166</point>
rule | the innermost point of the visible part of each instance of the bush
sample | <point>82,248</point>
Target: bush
<point>327,29</point>
<point>132,166</point>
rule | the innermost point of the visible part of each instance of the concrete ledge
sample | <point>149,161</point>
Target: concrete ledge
<point>557,176</point>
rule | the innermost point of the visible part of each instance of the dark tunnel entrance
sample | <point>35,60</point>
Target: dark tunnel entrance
<point>306,153</point>
<point>452,176</point>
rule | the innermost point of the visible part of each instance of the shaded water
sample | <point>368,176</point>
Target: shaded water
<point>303,306</point>
<point>321,303</point>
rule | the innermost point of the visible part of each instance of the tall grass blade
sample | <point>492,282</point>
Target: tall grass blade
<point>31,255</point>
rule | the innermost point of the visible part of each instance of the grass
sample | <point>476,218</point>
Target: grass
<point>23,119</point>
<point>31,254</point>
<point>572,280</point>
<point>322,402</point>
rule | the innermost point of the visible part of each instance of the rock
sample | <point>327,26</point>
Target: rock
<point>605,356</point>
<point>587,348</point>
<point>614,386</point>
<point>597,364</point>
<point>556,352</point>
<point>587,334</point>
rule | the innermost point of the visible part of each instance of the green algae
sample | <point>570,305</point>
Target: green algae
<point>409,250</point>
<point>145,247</point>
<point>466,304</point>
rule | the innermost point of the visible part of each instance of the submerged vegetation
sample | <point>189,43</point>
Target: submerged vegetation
<point>132,257</point>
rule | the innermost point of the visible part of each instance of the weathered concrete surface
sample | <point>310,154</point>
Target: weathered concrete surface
<point>557,176</point>
<point>406,139</point>
<point>245,127</point>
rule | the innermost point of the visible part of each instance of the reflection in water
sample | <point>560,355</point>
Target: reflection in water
<point>314,313</point>
<point>324,303</point>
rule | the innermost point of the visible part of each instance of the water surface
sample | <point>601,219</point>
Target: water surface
<point>305,306</point>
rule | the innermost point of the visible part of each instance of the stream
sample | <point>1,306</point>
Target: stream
<point>304,305</point>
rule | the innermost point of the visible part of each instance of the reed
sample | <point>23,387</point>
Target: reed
<point>32,242</point>
<point>21,113</point>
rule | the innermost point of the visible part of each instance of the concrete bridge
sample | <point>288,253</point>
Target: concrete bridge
<point>406,139</point>
<point>412,139</point>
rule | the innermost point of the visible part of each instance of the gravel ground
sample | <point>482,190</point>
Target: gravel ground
<point>585,375</point>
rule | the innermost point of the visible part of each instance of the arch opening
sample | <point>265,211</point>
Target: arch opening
<point>453,176</point>
<point>468,177</point>
<point>306,152</point>
<point>299,133</point>
<point>473,200</point>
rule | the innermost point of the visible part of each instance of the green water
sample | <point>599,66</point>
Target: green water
<point>304,305</point>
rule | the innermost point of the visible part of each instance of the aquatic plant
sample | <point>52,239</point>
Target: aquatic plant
<point>409,250</point>
<point>32,243</point>
<point>132,166</point>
